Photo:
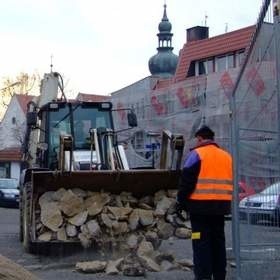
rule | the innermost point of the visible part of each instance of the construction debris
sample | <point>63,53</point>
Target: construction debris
<point>91,218</point>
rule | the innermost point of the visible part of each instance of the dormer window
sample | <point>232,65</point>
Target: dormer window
<point>216,64</point>
<point>204,67</point>
<point>13,120</point>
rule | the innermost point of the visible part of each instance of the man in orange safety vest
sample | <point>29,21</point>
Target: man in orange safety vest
<point>205,191</point>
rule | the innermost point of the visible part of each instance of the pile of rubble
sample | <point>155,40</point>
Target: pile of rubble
<point>141,258</point>
<point>138,224</point>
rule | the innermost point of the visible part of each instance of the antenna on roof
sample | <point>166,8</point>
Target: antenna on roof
<point>226,28</point>
<point>205,19</point>
<point>51,63</point>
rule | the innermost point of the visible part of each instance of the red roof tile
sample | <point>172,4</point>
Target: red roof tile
<point>218,45</point>
<point>92,97</point>
<point>10,154</point>
<point>23,101</point>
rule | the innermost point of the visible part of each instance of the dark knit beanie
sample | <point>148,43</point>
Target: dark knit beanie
<point>205,132</point>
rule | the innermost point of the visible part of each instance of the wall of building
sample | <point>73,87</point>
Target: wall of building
<point>11,132</point>
<point>15,170</point>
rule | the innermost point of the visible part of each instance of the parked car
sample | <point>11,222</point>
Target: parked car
<point>9,193</point>
<point>245,190</point>
<point>262,206</point>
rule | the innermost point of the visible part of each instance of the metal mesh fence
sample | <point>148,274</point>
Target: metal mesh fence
<point>256,154</point>
<point>253,115</point>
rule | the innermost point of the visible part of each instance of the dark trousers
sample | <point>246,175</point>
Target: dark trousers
<point>208,242</point>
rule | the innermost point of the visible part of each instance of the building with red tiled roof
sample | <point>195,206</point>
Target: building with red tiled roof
<point>195,49</point>
<point>198,91</point>
<point>12,130</point>
<point>92,97</point>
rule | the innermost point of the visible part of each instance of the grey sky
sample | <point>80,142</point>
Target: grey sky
<point>102,46</point>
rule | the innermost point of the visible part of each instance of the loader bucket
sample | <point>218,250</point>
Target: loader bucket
<point>138,182</point>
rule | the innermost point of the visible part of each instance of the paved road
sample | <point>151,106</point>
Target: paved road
<point>60,264</point>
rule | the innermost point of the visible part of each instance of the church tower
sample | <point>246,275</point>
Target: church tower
<point>164,63</point>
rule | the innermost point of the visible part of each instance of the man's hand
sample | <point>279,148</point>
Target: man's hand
<point>179,211</point>
<point>178,207</point>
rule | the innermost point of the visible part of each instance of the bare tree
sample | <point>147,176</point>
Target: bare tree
<point>22,84</point>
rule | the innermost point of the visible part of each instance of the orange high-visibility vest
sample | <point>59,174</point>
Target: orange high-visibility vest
<point>215,176</point>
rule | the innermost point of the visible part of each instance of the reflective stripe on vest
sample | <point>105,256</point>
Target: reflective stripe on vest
<point>215,177</point>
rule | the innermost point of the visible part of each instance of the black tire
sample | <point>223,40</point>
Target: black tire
<point>28,245</point>
<point>20,216</point>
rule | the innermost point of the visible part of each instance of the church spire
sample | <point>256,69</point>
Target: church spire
<point>164,63</point>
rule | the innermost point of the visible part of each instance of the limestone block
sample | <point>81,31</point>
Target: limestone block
<point>112,267</point>
<point>152,237</point>
<point>91,267</point>
<point>51,215</point>
<point>46,236</point>
<point>71,204</point>
<point>93,228</point>
<point>165,230</point>
<point>133,220</point>
<point>61,234</point>
<point>46,197</point>
<point>183,233</point>
<point>106,220</point>
<point>119,227</point>
<point>71,230</point>
<point>146,217</point>
<point>78,219</point>
<point>120,213</point>
<point>145,249</point>
<point>150,264</point>
<point>163,205</point>
<point>159,196</point>
<point>57,195</point>
<point>132,241</point>
<point>95,203</point>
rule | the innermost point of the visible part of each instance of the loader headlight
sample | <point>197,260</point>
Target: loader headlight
<point>106,105</point>
<point>53,106</point>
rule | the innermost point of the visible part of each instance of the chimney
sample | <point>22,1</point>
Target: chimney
<point>197,33</point>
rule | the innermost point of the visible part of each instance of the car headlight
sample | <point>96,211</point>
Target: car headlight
<point>242,203</point>
<point>9,195</point>
<point>271,203</point>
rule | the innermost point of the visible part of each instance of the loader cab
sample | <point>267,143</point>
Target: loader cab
<point>75,119</point>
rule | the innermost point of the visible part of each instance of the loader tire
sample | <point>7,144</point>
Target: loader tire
<point>26,219</point>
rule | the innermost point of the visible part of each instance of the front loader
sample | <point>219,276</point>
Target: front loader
<point>74,145</point>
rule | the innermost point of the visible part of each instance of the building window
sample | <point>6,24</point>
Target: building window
<point>191,71</point>
<point>230,61</point>
<point>216,64</point>
<point>210,66</point>
<point>5,170</point>
<point>221,63</point>
<point>239,58</point>
<point>13,120</point>
<point>202,67</point>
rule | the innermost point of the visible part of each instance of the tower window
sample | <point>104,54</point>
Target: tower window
<point>13,120</point>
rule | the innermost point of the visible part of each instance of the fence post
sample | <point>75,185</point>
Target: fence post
<point>235,219</point>
<point>276,30</point>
